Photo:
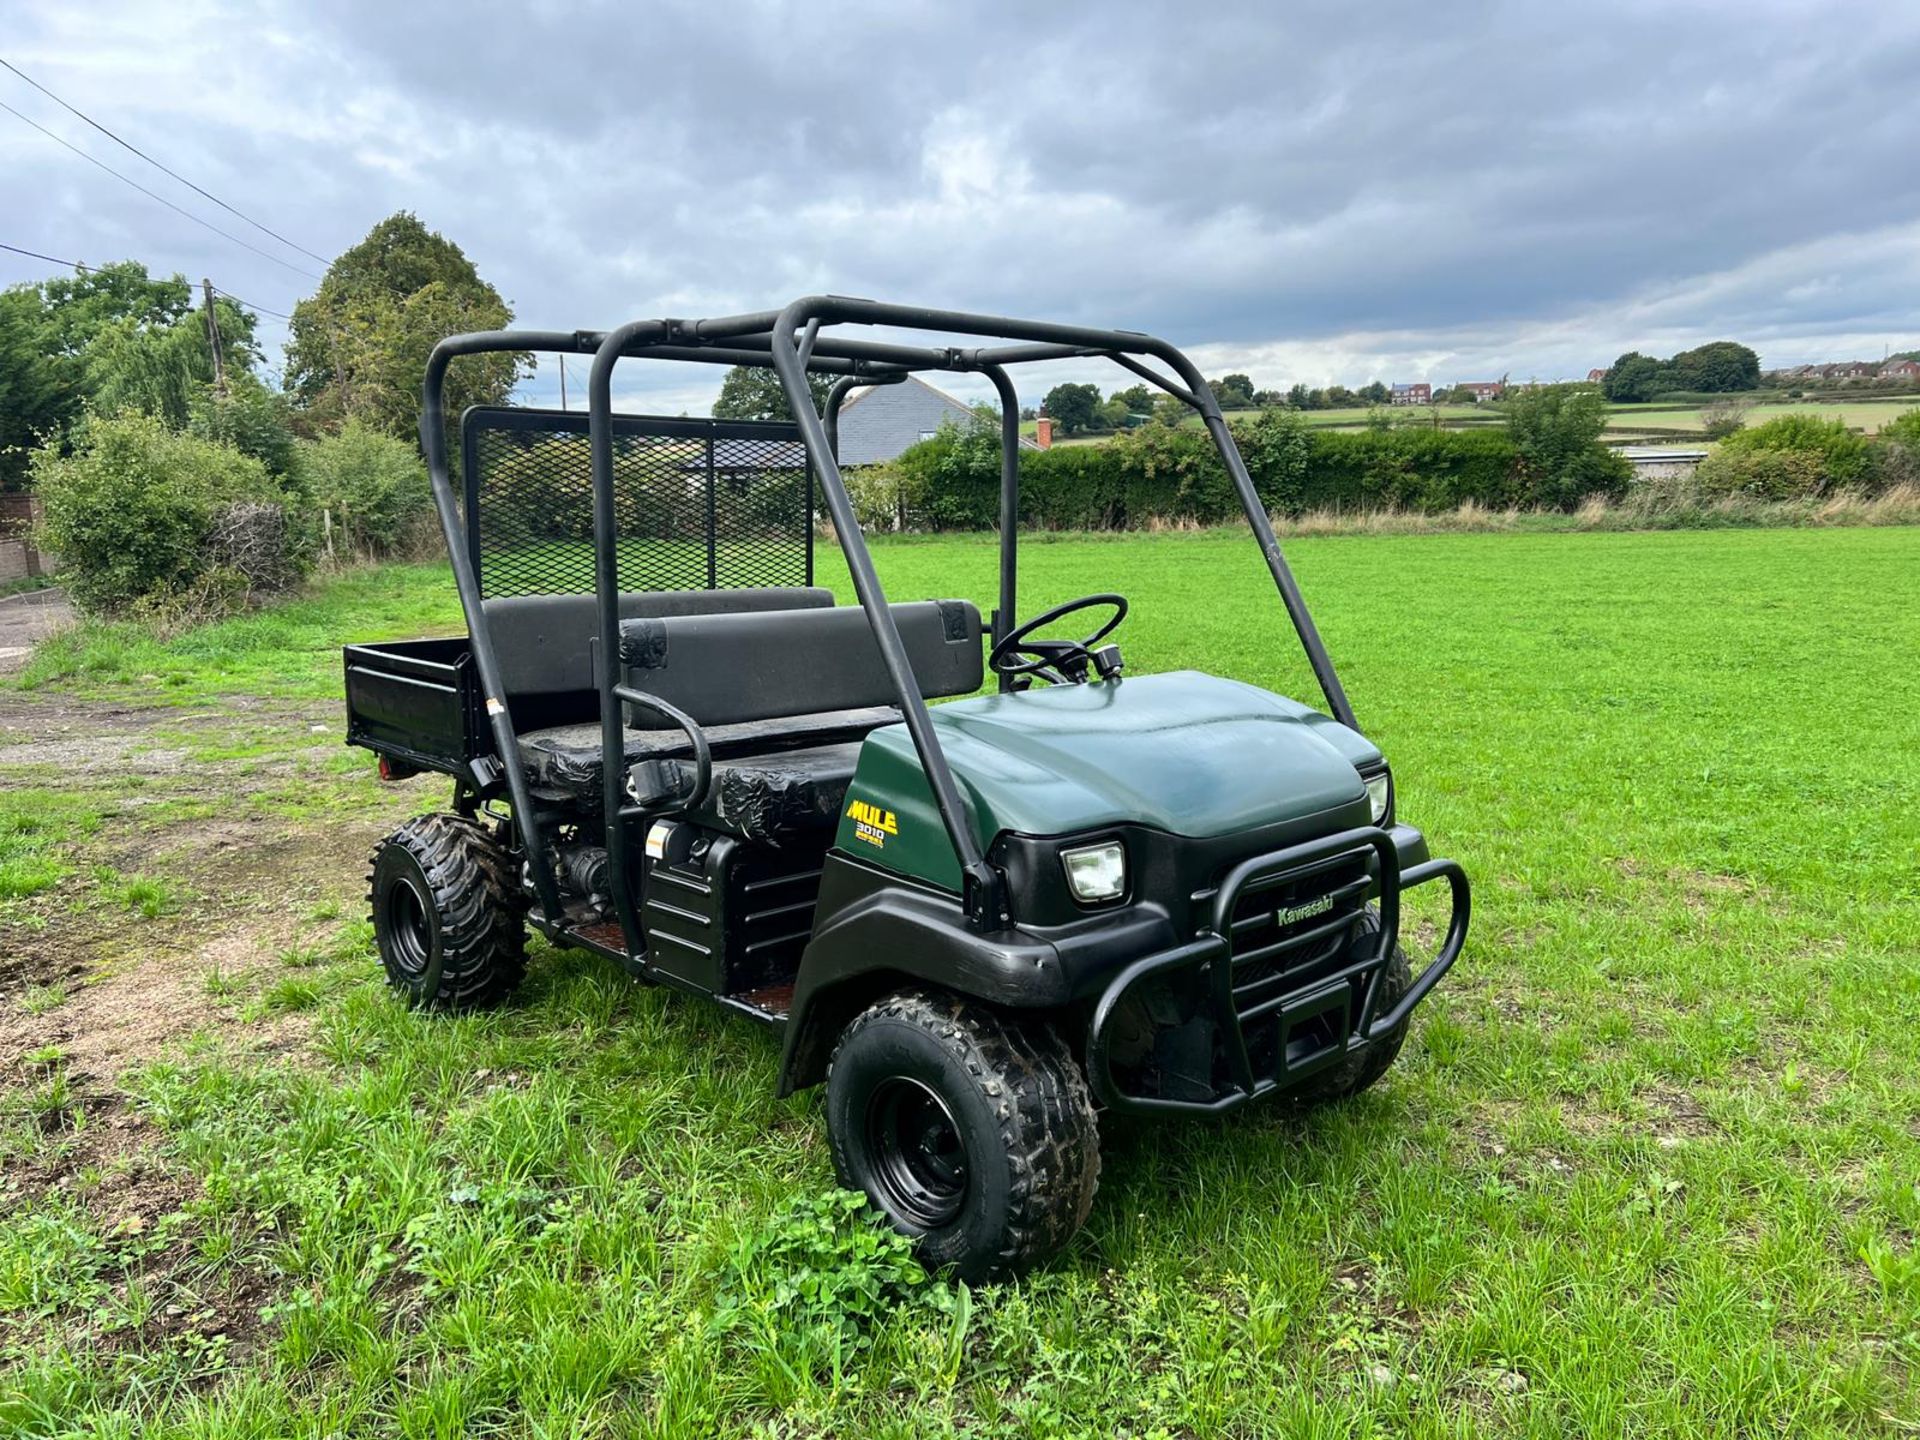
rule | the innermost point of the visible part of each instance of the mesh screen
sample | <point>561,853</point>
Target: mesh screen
<point>698,504</point>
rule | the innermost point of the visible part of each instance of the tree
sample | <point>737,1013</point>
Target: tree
<point>160,369</point>
<point>1233,392</point>
<point>1074,408</point>
<point>1633,377</point>
<point>1374,392</point>
<point>360,344</point>
<point>1138,399</point>
<point>114,335</point>
<point>1297,396</point>
<point>39,389</point>
<point>1556,429</point>
<point>1716,368</point>
<point>1341,398</point>
<point>79,307</point>
<point>1722,418</point>
<point>251,418</point>
<point>751,393</point>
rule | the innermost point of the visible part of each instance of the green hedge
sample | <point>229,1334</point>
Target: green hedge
<point>142,516</point>
<point>1160,474</point>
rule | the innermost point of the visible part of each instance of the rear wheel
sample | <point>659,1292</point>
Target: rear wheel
<point>449,924</point>
<point>972,1132</point>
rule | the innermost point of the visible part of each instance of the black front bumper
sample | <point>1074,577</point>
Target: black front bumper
<point>1309,1018</point>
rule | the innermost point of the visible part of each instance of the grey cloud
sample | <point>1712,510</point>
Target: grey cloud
<point>1334,188</point>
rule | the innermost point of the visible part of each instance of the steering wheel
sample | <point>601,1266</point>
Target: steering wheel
<point>1060,661</point>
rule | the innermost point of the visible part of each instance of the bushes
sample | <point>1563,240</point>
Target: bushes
<point>1837,456</point>
<point>1159,474</point>
<point>1897,453</point>
<point>1760,474</point>
<point>147,518</point>
<point>249,417</point>
<point>370,488</point>
<point>1556,429</point>
<point>1723,417</point>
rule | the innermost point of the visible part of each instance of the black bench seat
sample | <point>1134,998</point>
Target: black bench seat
<point>774,798</point>
<point>567,758</point>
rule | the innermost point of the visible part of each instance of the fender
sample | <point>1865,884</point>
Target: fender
<point>874,933</point>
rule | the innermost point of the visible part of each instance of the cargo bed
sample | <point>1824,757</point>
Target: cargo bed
<point>417,704</point>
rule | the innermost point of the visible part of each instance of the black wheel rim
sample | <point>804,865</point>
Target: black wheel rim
<point>919,1158</point>
<point>409,933</point>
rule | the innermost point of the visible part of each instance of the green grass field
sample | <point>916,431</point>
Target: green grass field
<point>1622,420</point>
<point>1648,1166</point>
<point>1863,415</point>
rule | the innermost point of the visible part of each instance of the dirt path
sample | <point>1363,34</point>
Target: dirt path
<point>27,619</point>
<point>201,853</point>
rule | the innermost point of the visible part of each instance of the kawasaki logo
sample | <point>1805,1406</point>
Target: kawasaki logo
<point>1305,910</point>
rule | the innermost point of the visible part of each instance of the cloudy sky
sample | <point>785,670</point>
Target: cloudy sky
<point>1310,193</point>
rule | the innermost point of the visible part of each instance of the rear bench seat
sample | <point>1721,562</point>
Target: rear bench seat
<point>784,697</point>
<point>545,646</point>
<point>736,672</point>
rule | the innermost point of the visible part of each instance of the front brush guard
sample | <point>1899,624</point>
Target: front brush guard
<point>1211,955</point>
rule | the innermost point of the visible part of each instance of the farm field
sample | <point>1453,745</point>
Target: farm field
<point>1622,420</point>
<point>1863,415</point>
<point>1647,1166</point>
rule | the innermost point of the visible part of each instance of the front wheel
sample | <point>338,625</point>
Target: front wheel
<point>971,1131</point>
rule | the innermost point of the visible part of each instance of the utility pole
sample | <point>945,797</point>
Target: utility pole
<point>563,382</point>
<point>213,338</point>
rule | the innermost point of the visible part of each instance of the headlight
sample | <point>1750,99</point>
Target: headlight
<point>1096,872</point>
<point>1379,794</point>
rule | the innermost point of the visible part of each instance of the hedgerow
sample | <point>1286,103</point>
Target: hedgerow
<point>1159,474</point>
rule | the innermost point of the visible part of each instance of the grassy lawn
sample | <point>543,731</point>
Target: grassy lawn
<point>1647,1167</point>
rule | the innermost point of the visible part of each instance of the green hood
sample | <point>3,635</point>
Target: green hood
<point>1187,753</point>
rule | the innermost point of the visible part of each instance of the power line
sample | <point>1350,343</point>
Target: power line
<point>50,259</point>
<point>126,145</point>
<point>91,160</point>
<point>251,306</point>
<point>82,265</point>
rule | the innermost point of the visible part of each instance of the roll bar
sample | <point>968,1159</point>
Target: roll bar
<point>794,342</point>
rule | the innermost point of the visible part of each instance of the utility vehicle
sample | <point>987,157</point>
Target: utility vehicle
<point>979,923</point>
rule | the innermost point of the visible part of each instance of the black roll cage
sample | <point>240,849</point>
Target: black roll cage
<point>791,342</point>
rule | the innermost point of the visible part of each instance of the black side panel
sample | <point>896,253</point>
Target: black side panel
<point>417,700</point>
<point>729,917</point>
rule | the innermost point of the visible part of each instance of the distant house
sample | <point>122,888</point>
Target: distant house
<point>1900,370</point>
<point>881,422</point>
<point>1847,370</point>
<point>1481,390</point>
<point>1594,377</point>
<point>1419,394</point>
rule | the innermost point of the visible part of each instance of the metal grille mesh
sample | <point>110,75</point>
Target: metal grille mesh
<point>698,505</point>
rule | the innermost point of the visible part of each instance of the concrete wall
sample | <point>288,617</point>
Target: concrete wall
<point>18,559</point>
